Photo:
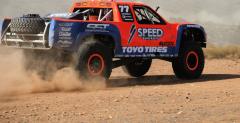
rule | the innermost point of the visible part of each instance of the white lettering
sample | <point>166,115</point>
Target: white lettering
<point>145,49</point>
<point>150,33</point>
<point>97,26</point>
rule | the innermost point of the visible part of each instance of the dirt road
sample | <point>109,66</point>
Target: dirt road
<point>157,97</point>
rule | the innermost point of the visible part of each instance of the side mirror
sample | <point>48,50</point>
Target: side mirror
<point>157,8</point>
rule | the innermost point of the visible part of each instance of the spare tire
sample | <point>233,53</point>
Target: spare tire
<point>31,16</point>
<point>28,24</point>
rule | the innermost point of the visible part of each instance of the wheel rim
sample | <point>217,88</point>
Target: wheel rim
<point>192,60</point>
<point>95,64</point>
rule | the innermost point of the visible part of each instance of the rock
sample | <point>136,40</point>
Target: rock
<point>83,113</point>
<point>116,100</point>
<point>180,112</point>
<point>188,99</point>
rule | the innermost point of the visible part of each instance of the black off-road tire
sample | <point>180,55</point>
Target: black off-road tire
<point>28,24</point>
<point>31,16</point>
<point>190,62</point>
<point>138,67</point>
<point>94,60</point>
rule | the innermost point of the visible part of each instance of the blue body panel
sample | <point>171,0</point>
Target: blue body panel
<point>68,35</point>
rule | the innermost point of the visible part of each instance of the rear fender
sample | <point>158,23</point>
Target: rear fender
<point>111,31</point>
<point>68,35</point>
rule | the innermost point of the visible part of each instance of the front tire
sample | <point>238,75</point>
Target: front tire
<point>138,67</point>
<point>94,60</point>
<point>190,62</point>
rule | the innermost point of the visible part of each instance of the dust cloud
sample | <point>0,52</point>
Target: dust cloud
<point>14,80</point>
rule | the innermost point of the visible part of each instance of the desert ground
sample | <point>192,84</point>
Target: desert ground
<point>158,97</point>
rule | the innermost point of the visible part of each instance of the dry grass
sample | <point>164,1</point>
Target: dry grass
<point>221,52</point>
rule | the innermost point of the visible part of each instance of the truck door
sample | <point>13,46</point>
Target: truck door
<point>152,34</point>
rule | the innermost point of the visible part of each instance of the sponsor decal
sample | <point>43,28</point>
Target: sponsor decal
<point>132,33</point>
<point>126,13</point>
<point>130,50</point>
<point>65,38</point>
<point>65,24</point>
<point>64,43</point>
<point>97,27</point>
<point>65,29</point>
<point>150,33</point>
<point>65,34</point>
<point>166,44</point>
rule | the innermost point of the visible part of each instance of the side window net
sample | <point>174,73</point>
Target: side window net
<point>142,16</point>
<point>145,15</point>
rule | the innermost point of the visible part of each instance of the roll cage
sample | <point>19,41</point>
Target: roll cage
<point>98,14</point>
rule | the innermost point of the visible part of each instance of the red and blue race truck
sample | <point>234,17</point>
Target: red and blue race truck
<point>97,36</point>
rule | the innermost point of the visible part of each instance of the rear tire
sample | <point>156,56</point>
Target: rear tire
<point>138,67</point>
<point>94,60</point>
<point>190,62</point>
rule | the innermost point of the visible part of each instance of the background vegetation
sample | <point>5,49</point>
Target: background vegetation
<point>221,52</point>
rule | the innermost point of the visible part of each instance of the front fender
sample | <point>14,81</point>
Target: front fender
<point>200,29</point>
<point>183,27</point>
